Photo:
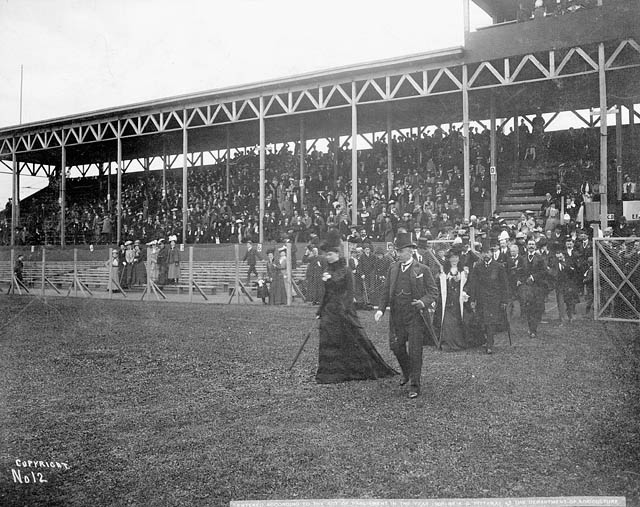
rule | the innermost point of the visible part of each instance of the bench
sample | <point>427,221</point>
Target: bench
<point>211,276</point>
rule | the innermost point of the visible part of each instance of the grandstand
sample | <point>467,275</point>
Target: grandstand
<point>442,136</point>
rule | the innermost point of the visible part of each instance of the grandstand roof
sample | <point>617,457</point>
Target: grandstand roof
<point>546,65</point>
<point>448,56</point>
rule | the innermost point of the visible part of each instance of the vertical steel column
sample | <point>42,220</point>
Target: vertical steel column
<point>228,163</point>
<point>493,171</point>
<point>603,138</point>
<point>465,138</point>
<point>354,155</point>
<point>63,190</point>
<point>262,166</point>
<point>119,185</point>
<point>389,154</point>
<point>185,190</point>
<point>303,153</point>
<point>15,195</point>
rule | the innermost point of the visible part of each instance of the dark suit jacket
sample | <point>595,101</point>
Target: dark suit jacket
<point>488,285</point>
<point>536,268</point>
<point>423,286</point>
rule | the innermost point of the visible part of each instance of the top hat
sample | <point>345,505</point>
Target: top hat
<point>332,241</point>
<point>423,243</point>
<point>403,240</point>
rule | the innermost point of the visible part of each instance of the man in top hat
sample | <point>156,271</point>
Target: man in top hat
<point>409,290</point>
<point>532,286</point>
<point>489,292</point>
<point>562,270</point>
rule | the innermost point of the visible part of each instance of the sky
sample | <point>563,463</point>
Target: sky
<point>85,55</point>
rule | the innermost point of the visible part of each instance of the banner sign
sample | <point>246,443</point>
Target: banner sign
<point>631,210</point>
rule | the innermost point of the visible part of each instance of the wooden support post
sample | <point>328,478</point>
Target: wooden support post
<point>109,270</point>
<point>185,173</point>
<point>603,138</point>
<point>75,272</point>
<point>15,196</point>
<point>493,170</point>
<point>262,170</point>
<point>42,268</point>
<point>619,155</point>
<point>354,155</point>
<point>228,163</point>
<point>164,170</point>
<point>63,191</point>
<point>12,286</point>
<point>516,144</point>
<point>465,137</point>
<point>190,274</point>
<point>109,188</point>
<point>288,276</point>
<point>119,186</point>
<point>389,154</point>
<point>303,151</point>
<point>632,143</point>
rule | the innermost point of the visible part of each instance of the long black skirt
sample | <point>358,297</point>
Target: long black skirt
<point>345,351</point>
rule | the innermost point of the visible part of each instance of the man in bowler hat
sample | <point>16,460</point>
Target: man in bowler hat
<point>489,293</point>
<point>409,290</point>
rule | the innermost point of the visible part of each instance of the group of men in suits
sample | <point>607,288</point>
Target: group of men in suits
<point>543,266</point>
<point>502,272</point>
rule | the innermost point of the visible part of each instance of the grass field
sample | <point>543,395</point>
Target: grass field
<point>176,404</point>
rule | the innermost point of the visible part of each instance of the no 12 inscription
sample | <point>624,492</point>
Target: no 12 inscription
<point>27,478</point>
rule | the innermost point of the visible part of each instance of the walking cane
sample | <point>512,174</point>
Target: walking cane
<point>365,292</point>
<point>295,359</point>
<point>506,318</point>
<point>430,330</point>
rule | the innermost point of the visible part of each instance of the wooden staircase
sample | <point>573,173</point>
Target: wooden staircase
<point>521,195</point>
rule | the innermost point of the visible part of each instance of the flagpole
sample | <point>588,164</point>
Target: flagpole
<point>21,79</point>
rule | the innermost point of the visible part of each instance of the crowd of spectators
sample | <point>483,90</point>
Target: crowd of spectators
<point>528,9</point>
<point>427,191</point>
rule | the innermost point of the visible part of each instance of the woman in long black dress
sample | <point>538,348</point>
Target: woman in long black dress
<point>453,312</point>
<point>345,352</point>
